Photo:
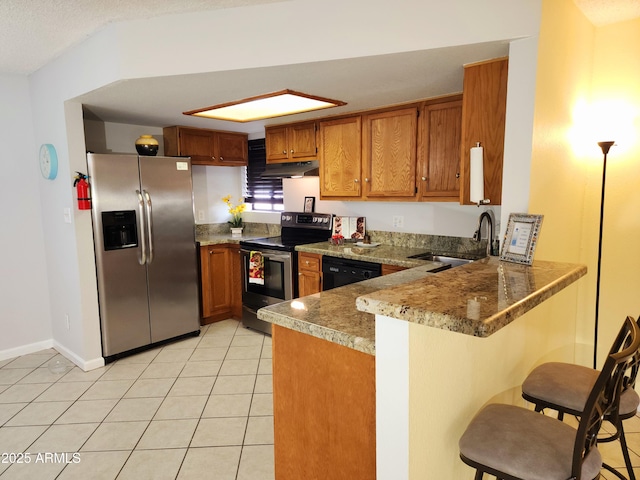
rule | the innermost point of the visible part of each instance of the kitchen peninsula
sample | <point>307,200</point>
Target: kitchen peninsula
<point>363,388</point>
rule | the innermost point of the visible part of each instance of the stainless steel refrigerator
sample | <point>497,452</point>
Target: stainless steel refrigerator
<point>146,259</point>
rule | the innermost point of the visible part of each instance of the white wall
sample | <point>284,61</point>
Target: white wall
<point>24,292</point>
<point>192,43</point>
<point>433,218</point>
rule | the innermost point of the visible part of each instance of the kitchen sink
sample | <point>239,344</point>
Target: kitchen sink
<point>453,261</point>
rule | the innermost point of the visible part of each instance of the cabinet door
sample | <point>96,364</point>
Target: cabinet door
<point>309,274</point>
<point>340,157</point>
<point>390,152</point>
<point>235,262</point>
<point>197,144</point>
<point>483,120</point>
<point>276,144</point>
<point>302,142</point>
<point>440,162</point>
<point>388,269</point>
<point>216,291</point>
<point>230,149</point>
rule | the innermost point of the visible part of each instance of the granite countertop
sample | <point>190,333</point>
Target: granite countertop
<point>475,299</point>
<point>388,254</point>
<point>219,238</point>
<point>332,315</point>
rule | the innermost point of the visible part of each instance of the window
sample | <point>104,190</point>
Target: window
<point>261,193</point>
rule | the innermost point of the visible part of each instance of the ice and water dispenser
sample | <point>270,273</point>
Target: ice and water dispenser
<point>119,229</point>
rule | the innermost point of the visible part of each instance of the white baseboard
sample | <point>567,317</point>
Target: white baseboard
<point>85,365</point>
<point>25,349</point>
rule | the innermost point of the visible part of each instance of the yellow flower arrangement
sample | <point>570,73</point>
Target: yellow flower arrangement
<point>236,212</point>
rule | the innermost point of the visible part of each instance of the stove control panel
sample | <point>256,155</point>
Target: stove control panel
<point>306,220</point>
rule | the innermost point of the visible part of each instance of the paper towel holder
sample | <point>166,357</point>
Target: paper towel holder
<point>476,176</point>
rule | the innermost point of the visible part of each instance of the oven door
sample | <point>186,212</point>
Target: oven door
<point>278,279</point>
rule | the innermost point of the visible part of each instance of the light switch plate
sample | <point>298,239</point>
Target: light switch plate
<point>67,215</point>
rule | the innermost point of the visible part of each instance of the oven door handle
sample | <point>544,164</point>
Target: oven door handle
<point>269,256</point>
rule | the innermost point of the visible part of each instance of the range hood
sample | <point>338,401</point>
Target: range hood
<point>288,170</point>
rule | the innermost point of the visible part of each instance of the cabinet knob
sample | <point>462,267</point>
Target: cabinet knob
<point>307,262</point>
<point>221,159</point>
<point>284,152</point>
<point>458,175</point>
<point>366,180</point>
<point>292,150</point>
<point>424,179</point>
<point>213,158</point>
<point>356,180</point>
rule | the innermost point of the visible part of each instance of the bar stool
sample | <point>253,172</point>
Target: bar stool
<point>564,387</point>
<point>514,443</point>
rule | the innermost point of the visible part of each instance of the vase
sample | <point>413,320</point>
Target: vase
<point>236,232</point>
<point>147,145</point>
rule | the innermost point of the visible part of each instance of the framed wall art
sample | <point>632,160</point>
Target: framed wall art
<point>309,204</point>
<point>521,238</point>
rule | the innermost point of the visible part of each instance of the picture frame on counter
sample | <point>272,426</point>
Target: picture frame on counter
<point>309,204</point>
<point>521,238</point>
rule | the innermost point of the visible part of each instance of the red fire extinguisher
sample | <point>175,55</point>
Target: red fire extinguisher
<point>82,190</point>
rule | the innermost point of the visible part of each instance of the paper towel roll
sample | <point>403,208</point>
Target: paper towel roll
<point>476,177</point>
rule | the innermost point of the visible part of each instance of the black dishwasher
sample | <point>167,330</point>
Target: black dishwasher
<point>337,272</point>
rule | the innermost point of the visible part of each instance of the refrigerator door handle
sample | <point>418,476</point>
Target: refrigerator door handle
<point>143,244</point>
<point>149,208</point>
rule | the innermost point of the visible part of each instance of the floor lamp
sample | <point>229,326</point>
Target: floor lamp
<point>605,146</point>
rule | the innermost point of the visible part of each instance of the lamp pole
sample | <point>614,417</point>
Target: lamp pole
<point>605,146</point>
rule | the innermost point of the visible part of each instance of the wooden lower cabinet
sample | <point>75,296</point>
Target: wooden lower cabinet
<point>387,269</point>
<point>324,409</point>
<point>309,273</point>
<point>221,283</point>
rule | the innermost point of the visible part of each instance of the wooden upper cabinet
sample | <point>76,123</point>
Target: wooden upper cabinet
<point>389,154</point>
<point>206,147</point>
<point>483,120</point>
<point>291,143</point>
<point>231,148</point>
<point>340,148</point>
<point>439,162</point>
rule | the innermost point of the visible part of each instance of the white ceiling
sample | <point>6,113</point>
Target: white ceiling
<point>34,32</point>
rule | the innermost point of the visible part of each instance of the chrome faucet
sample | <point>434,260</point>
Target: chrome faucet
<point>477,236</point>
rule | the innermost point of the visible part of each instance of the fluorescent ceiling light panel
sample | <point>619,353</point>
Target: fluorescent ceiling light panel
<point>277,104</point>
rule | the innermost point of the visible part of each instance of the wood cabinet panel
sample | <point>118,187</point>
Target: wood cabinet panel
<point>309,273</point>
<point>231,149</point>
<point>340,149</point>
<point>387,269</point>
<point>324,409</point>
<point>440,151</point>
<point>276,144</point>
<point>221,284</point>
<point>390,152</point>
<point>483,120</point>
<point>206,147</point>
<point>291,143</point>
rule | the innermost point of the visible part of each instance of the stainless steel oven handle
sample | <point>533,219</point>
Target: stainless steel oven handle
<point>269,256</point>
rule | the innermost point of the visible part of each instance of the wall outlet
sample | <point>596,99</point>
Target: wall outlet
<point>201,215</point>
<point>66,317</point>
<point>398,221</point>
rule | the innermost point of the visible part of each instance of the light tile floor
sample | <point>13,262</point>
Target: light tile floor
<point>197,408</point>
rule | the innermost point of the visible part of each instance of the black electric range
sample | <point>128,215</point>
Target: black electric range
<point>296,229</point>
<point>278,263</point>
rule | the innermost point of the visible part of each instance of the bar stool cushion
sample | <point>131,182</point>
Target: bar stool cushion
<point>524,444</point>
<point>563,384</point>
<point>629,402</point>
<point>569,385</point>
